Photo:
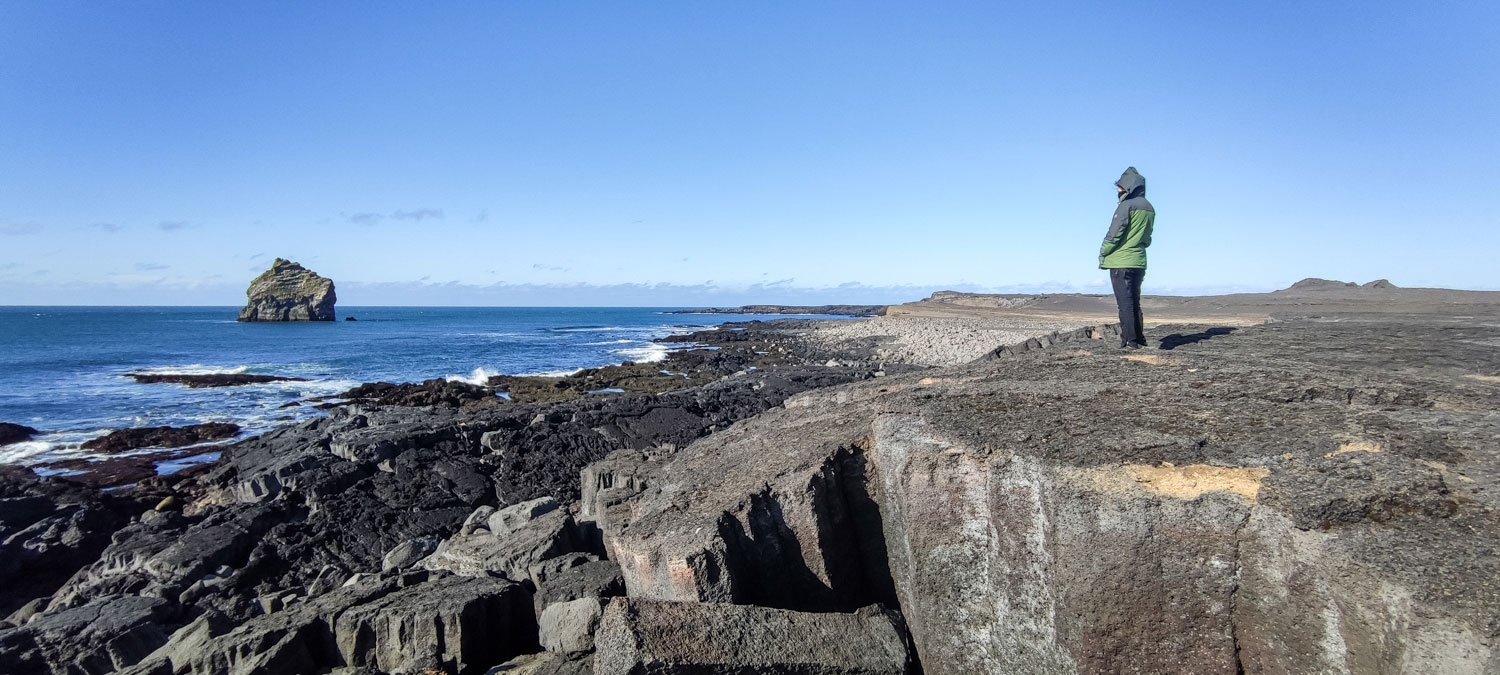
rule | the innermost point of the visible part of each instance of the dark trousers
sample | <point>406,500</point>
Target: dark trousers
<point>1127,283</point>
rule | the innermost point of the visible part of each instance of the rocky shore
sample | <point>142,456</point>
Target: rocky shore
<point>1314,494</point>
<point>824,310</point>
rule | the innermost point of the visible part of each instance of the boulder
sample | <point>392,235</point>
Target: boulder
<point>597,579</point>
<point>453,624</point>
<point>408,553</point>
<point>511,518</point>
<point>648,637</point>
<point>568,627</point>
<point>289,292</point>
<point>15,433</point>
<point>525,544</point>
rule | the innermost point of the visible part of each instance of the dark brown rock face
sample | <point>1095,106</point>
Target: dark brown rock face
<point>14,433</point>
<point>289,292</point>
<point>210,380</point>
<point>162,437</point>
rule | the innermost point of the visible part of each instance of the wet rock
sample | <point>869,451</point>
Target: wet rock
<point>289,292</point>
<point>164,437</point>
<point>434,392</point>
<point>646,636</point>
<point>210,380</point>
<point>15,433</point>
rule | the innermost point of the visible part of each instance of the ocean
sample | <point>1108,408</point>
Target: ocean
<point>62,369</point>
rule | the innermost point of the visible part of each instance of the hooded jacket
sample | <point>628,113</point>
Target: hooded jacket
<point>1130,230</point>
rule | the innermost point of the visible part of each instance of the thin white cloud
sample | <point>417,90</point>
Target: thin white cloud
<point>107,227</point>
<point>18,229</point>
<point>371,218</point>
<point>418,214</point>
<point>150,267</point>
<point>173,225</point>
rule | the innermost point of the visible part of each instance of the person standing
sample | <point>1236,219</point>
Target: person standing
<point>1124,254</point>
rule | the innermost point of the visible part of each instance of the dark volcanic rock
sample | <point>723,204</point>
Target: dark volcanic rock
<point>1299,496</point>
<point>99,637</point>
<point>645,636</point>
<point>438,392</point>
<point>113,471</point>
<point>49,529</point>
<point>289,292</point>
<point>211,380</point>
<point>164,437</point>
<point>14,433</point>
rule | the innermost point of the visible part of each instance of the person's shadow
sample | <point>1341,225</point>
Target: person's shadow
<point>1176,340</point>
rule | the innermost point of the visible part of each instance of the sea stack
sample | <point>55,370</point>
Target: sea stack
<point>289,292</point>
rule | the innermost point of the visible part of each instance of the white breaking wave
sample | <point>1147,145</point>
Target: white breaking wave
<point>480,377</point>
<point>194,369</point>
<point>552,373</point>
<point>609,342</point>
<point>18,453</point>
<point>647,354</point>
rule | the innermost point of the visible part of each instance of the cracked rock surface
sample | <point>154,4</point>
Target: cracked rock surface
<point>1302,496</point>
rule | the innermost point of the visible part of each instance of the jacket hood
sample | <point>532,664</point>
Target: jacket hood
<point>1133,183</point>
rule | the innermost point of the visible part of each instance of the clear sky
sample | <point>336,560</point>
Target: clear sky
<point>687,153</point>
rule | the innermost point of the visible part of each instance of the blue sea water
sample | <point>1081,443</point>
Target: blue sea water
<point>62,369</point>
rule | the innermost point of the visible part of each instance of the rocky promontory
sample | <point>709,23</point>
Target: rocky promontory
<point>289,292</point>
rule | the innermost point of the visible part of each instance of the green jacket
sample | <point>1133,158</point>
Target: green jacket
<point>1130,230</point>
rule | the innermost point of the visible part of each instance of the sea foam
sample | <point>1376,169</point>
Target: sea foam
<point>480,377</point>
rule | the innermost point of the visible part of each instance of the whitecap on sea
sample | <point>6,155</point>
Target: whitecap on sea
<point>646,354</point>
<point>480,377</point>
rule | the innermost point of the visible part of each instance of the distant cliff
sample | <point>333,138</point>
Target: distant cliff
<point>289,292</point>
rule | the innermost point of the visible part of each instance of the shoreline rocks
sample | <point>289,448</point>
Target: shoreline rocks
<point>210,380</point>
<point>289,292</point>
<point>1274,499</point>
<point>161,437</point>
<point>15,433</point>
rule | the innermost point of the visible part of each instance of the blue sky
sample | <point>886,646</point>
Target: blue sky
<point>663,153</point>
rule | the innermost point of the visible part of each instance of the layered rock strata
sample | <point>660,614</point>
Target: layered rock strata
<point>289,292</point>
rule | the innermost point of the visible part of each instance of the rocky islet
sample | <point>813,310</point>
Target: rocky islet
<point>289,292</point>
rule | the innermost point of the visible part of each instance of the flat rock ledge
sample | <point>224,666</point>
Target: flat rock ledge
<point>1279,499</point>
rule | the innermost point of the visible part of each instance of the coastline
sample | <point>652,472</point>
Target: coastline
<point>802,479</point>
